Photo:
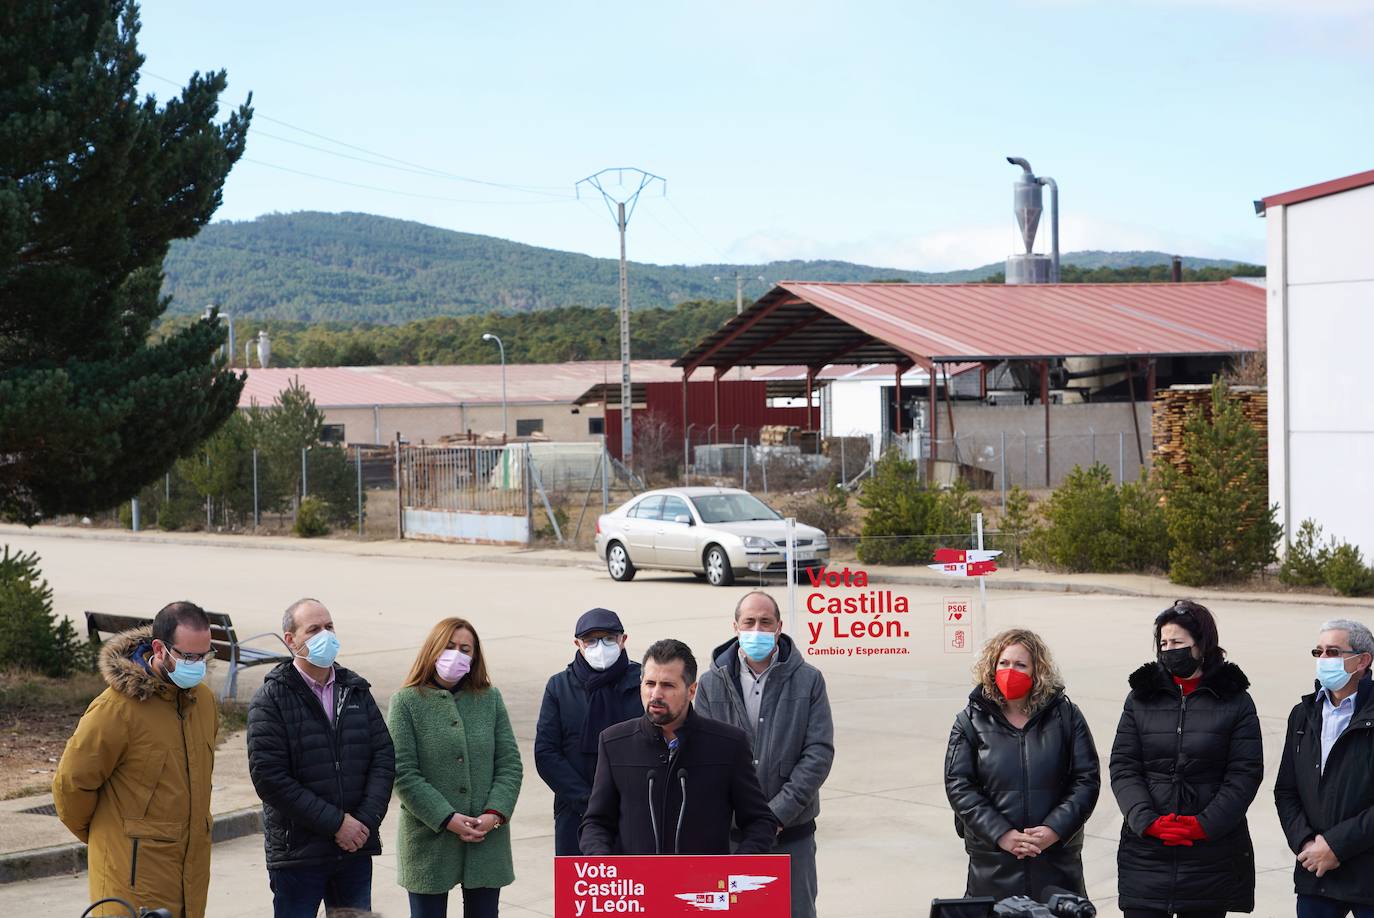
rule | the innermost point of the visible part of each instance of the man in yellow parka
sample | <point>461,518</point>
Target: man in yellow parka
<point>134,780</point>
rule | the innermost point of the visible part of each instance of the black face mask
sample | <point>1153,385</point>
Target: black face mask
<point>1179,662</point>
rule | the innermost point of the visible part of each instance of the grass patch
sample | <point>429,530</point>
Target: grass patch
<point>23,692</point>
<point>26,790</point>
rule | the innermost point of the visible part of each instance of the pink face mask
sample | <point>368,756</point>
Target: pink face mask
<point>452,665</point>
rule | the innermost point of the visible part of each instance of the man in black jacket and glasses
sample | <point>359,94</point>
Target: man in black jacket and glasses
<point>672,781</point>
<point>1325,787</point>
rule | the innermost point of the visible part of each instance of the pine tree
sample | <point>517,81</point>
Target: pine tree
<point>1217,508</point>
<point>95,182</point>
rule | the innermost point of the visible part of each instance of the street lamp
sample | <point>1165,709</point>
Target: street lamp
<point>488,336</point>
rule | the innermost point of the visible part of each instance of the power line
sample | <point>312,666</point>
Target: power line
<point>693,226</point>
<point>427,170</point>
<point>408,194</point>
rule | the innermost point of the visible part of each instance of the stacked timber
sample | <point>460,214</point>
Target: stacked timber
<point>1174,405</point>
<point>788,435</point>
<point>777,435</point>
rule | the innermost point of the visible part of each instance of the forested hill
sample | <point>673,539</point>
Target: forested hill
<point>313,267</point>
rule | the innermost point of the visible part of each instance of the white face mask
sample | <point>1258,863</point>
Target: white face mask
<point>601,655</point>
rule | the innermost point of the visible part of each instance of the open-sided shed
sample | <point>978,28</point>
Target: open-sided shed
<point>936,325</point>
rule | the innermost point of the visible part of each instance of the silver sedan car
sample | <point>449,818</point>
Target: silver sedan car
<point>712,532</point>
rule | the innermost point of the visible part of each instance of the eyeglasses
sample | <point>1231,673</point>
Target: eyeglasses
<point>608,642</point>
<point>190,657</point>
<point>1332,652</point>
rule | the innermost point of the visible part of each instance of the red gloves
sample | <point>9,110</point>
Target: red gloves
<point>1177,830</point>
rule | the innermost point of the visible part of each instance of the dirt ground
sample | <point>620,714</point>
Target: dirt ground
<point>29,749</point>
<point>35,726</point>
<point>36,717</point>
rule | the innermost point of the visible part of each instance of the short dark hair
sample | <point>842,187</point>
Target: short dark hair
<point>178,613</point>
<point>1197,620</point>
<point>668,650</point>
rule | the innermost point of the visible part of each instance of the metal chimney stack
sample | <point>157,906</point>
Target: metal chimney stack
<point>1028,205</point>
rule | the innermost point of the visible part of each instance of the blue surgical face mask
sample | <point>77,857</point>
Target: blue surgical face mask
<point>757,645</point>
<point>322,649</point>
<point>1331,674</point>
<point>187,674</point>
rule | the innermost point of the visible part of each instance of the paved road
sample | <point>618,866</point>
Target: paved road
<point>886,840</point>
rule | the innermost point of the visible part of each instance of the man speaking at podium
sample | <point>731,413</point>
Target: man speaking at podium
<point>672,781</point>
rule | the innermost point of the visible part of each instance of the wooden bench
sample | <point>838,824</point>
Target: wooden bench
<point>98,623</point>
<point>224,641</point>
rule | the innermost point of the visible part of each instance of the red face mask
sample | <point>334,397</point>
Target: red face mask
<point>1014,683</point>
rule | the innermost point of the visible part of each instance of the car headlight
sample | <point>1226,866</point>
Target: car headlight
<point>758,543</point>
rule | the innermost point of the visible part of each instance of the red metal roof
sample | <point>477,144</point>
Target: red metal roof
<point>443,385</point>
<point>1320,190</point>
<point>821,323</point>
<point>336,387</point>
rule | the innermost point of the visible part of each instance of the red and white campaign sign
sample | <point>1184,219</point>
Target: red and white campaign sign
<point>748,885</point>
<point>960,562</point>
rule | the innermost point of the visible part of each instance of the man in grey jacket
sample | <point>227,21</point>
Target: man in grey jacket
<point>759,682</point>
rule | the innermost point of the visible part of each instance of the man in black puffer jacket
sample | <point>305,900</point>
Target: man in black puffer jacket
<point>322,761</point>
<point>1325,788</point>
<point>1185,766</point>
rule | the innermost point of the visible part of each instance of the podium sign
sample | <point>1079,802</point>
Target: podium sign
<point>741,885</point>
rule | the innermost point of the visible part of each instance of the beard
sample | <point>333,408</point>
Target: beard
<point>661,716</point>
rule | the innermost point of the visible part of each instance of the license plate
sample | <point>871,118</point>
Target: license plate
<point>806,554</point>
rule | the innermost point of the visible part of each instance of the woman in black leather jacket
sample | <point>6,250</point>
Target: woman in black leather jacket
<point>1186,763</point>
<point>1021,773</point>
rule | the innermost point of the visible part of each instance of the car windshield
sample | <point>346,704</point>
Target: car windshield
<point>732,508</point>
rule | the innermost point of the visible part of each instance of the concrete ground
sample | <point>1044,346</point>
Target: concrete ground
<point>886,837</point>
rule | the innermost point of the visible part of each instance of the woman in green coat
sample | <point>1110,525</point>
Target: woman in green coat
<point>457,773</point>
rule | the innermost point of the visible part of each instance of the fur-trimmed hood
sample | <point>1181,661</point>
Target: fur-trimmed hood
<point>122,663</point>
<point>1225,681</point>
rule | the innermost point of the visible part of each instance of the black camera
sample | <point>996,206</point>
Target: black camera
<point>1059,903</point>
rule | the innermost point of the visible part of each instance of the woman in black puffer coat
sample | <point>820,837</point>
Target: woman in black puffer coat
<point>1186,763</point>
<point>1021,773</point>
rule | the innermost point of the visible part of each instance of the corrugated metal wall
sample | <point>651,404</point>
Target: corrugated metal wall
<point>743,410</point>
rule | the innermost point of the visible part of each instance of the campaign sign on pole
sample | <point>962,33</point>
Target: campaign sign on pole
<point>744,885</point>
<point>958,625</point>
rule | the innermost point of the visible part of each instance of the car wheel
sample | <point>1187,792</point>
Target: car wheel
<point>618,563</point>
<point>718,570</point>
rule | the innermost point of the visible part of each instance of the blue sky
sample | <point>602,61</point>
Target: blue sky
<point>864,131</point>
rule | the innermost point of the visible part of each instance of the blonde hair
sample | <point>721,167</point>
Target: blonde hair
<point>422,670</point>
<point>1047,682</point>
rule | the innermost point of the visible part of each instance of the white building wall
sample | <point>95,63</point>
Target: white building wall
<point>856,408</point>
<point>1321,328</point>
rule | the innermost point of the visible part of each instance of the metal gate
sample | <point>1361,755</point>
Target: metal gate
<point>465,493</point>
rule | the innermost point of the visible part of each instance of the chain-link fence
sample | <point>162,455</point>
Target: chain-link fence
<point>989,462</point>
<point>349,490</point>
